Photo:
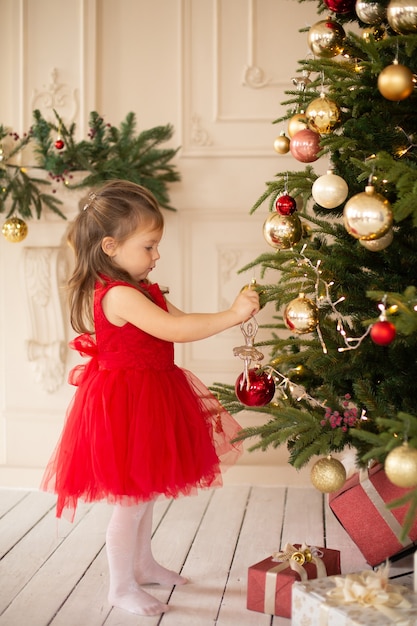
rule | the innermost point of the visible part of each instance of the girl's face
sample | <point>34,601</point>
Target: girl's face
<point>138,254</point>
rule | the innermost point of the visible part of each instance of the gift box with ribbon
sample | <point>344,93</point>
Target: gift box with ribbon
<point>360,506</point>
<point>364,599</point>
<point>270,581</point>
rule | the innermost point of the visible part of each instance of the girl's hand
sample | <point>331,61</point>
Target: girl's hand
<point>246,304</point>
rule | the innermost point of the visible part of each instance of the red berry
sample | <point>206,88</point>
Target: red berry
<point>383,333</point>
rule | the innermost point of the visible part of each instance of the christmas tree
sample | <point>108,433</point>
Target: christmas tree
<point>340,264</point>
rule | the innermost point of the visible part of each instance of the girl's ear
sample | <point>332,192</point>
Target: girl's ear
<point>108,245</point>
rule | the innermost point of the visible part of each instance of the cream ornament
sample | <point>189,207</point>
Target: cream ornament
<point>377,245</point>
<point>329,190</point>
<point>401,466</point>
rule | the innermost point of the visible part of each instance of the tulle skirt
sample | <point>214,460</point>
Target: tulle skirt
<point>136,434</point>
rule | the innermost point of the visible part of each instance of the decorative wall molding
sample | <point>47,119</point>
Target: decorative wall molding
<point>45,271</point>
<point>58,96</point>
<point>199,136</point>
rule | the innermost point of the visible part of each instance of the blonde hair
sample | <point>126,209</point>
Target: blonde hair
<point>115,210</point>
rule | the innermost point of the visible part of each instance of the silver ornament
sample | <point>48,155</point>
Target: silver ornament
<point>402,16</point>
<point>370,12</point>
<point>367,215</point>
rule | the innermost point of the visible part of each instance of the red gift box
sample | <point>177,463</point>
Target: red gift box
<point>360,506</point>
<point>270,581</point>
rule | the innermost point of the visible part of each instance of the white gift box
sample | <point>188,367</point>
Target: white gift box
<point>321,603</point>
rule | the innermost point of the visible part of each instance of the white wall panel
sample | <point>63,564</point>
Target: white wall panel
<point>217,71</point>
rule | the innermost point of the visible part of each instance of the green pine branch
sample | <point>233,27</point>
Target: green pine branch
<point>109,152</point>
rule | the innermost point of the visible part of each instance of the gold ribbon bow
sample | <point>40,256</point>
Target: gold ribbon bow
<point>294,558</point>
<point>371,589</point>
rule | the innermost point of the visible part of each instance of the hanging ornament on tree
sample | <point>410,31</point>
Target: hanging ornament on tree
<point>328,474</point>
<point>375,33</point>
<point>372,13</point>
<point>282,231</point>
<point>257,390</point>
<point>340,6</point>
<point>402,16</point>
<point>285,204</point>
<point>59,142</point>
<point>301,82</point>
<point>383,331</point>
<point>326,38</point>
<point>305,146</point>
<point>401,466</point>
<point>14,229</point>
<point>301,315</point>
<point>254,386</point>
<point>297,122</point>
<point>367,215</point>
<point>329,190</point>
<point>396,82</point>
<point>282,144</point>
<point>322,115</point>
<point>376,245</point>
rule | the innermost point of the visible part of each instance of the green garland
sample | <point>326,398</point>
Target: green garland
<point>108,153</point>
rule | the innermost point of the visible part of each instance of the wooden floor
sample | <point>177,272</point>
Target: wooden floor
<point>55,573</point>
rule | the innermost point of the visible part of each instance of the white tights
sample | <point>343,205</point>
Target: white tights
<point>131,562</point>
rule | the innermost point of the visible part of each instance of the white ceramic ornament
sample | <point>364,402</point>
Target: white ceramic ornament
<point>329,190</point>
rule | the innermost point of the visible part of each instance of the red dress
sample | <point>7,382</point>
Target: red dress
<point>138,426</point>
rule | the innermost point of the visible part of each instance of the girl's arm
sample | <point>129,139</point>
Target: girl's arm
<point>124,304</point>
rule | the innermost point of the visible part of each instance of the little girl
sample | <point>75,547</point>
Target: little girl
<point>138,426</point>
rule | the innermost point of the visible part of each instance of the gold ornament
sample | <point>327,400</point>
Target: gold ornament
<point>296,123</point>
<point>367,215</point>
<point>301,315</point>
<point>402,16</point>
<point>325,38</point>
<point>329,190</point>
<point>282,231</point>
<point>401,466</point>
<point>375,32</point>
<point>328,475</point>
<point>254,285</point>
<point>396,82</point>
<point>376,245</point>
<point>14,229</point>
<point>370,12</point>
<point>322,115</point>
<point>282,144</point>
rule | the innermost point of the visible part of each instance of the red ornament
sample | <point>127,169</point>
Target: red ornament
<point>383,333</point>
<point>340,6</point>
<point>305,145</point>
<point>260,390</point>
<point>285,205</point>
<point>59,144</point>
